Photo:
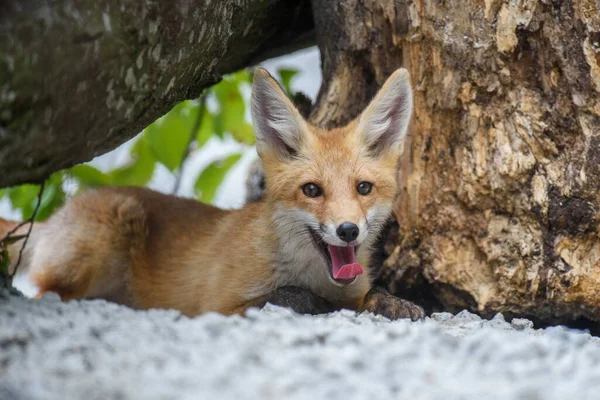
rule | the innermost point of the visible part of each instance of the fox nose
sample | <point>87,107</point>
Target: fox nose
<point>347,231</point>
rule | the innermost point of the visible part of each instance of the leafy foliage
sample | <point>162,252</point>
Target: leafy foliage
<point>24,197</point>
<point>210,179</point>
<point>286,76</point>
<point>167,141</point>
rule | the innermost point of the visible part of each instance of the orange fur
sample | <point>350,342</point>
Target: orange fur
<point>146,249</point>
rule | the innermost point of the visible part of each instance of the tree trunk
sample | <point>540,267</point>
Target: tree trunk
<point>499,210</point>
<point>78,78</point>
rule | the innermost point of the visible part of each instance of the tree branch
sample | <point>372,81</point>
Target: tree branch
<point>9,238</point>
<point>31,222</point>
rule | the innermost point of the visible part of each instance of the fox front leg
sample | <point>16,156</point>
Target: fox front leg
<point>300,300</point>
<point>379,301</point>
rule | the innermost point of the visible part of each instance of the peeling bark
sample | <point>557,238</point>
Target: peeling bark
<point>501,181</point>
<point>78,78</point>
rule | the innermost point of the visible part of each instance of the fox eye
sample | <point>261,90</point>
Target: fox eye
<point>311,190</point>
<point>364,188</point>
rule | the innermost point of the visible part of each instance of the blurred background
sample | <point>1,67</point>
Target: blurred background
<point>199,149</point>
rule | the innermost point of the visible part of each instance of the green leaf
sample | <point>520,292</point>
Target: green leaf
<point>232,108</point>
<point>53,197</point>
<point>206,130</point>
<point>244,133</point>
<point>24,198</point>
<point>243,76</point>
<point>285,76</point>
<point>169,136</point>
<point>88,176</point>
<point>211,178</point>
<point>140,170</point>
<point>231,115</point>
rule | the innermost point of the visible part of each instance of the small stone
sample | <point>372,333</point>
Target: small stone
<point>578,99</point>
<point>499,317</point>
<point>442,316</point>
<point>521,324</point>
<point>465,315</point>
<point>498,322</point>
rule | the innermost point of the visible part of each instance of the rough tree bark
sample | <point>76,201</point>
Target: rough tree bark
<point>78,78</point>
<point>501,182</point>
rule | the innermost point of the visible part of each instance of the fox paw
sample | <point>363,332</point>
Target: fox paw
<point>380,302</point>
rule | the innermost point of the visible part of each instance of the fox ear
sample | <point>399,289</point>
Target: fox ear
<point>277,124</point>
<point>384,122</point>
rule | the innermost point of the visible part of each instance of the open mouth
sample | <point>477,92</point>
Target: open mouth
<point>341,260</point>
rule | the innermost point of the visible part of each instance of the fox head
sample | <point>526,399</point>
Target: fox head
<point>332,189</point>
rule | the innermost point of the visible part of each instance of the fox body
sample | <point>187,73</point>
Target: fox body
<point>328,194</point>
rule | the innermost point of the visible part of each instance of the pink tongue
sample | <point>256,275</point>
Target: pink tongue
<point>344,262</point>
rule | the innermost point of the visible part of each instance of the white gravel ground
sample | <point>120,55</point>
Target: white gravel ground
<point>98,350</point>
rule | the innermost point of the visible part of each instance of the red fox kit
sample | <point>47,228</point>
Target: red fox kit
<point>307,245</point>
